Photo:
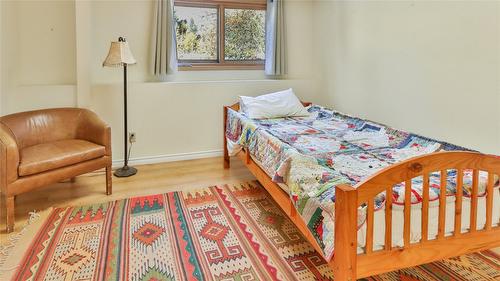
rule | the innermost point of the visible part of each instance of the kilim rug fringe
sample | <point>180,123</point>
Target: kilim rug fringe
<point>12,250</point>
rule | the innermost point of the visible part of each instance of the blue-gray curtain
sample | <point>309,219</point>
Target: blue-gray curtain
<point>164,45</point>
<point>275,39</point>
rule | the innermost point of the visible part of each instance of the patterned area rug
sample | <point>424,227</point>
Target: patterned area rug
<point>216,233</point>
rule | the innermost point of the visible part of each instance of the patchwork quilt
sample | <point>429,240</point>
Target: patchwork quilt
<point>313,154</point>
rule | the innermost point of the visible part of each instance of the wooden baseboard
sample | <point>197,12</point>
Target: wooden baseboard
<point>169,158</point>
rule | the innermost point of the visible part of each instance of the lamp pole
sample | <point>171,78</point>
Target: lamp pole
<point>125,171</point>
<point>125,113</point>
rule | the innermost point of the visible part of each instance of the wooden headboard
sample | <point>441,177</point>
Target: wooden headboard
<point>236,106</point>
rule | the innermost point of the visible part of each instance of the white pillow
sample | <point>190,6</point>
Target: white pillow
<point>274,105</point>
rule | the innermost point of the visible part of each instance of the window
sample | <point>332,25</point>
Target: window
<point>220,34</point>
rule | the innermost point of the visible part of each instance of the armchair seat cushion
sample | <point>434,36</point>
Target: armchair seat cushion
<point>53,155</point>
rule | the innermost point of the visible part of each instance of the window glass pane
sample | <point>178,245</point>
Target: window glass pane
<point>196,30</point>
<point>244,34</point>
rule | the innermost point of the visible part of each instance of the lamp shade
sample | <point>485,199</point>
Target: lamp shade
<point>119,54</point>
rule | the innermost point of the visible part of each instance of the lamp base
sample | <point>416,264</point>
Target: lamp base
<point>125,171</point>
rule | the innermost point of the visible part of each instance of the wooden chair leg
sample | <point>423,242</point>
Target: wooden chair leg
<point>9,205</point>
<point>109,181</point>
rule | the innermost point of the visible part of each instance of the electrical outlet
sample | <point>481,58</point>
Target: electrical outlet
<point>131,137</point>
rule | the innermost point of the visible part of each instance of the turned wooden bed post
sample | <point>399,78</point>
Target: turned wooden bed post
<point>346,229</point>
<point>224,140</point>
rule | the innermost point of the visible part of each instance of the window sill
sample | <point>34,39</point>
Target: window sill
<point>227,66</point>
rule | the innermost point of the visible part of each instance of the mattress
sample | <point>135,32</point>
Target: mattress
<point>309,156</point>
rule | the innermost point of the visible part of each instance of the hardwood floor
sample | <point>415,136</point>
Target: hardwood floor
<point>151,179</point>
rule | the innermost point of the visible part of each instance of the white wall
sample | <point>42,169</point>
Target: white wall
<point>38,54</point>
<point>182,115</point>
<point>45,46</point>
<point>430,67</point>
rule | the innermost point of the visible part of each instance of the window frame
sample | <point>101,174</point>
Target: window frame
<point>220,63</point>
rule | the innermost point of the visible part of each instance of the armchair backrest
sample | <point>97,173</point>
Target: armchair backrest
<point>42,126</point>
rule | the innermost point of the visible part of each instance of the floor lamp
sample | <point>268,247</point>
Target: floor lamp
<point>120,55</point>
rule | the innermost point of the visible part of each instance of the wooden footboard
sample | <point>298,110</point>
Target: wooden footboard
<point>347,264</point>
<point>350,265</point>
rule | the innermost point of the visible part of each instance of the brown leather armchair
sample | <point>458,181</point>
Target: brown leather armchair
<point>41,147</point>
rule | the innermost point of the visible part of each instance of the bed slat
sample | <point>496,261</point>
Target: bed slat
<point>425,208</point>
<point>247,156</point>
<point>407,213</point>
<point>369,227</point>
<point>293,211</point>
<point>489,200</point>
<point>458,202</point>
<point>442,204</point>
<point>473,207</point>
<point>388,218</point>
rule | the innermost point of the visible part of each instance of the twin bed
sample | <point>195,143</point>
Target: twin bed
<point>368,197</point>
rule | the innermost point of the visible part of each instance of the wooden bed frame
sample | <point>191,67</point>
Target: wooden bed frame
<point>346,263</point>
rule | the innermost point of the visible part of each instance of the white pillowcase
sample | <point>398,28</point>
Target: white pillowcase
<point>274,105</point>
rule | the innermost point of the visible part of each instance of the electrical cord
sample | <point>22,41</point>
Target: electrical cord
<point>129,149</point>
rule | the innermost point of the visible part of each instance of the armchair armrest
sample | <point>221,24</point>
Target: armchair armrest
<point>94,129</point>
<point>9,157</point>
